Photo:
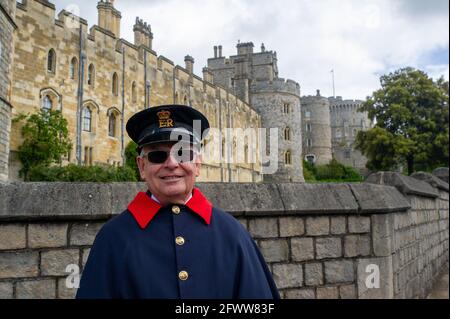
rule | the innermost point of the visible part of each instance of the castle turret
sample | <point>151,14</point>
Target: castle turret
<point>142,33</point>
<point>208,75</point>
<point>109,17</point>
<point>189,63</point>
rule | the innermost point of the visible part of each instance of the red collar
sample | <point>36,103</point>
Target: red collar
<point>143,208</point>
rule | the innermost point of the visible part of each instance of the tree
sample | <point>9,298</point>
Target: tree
<point>45,139</point>
<point>411,111</point>
<point>130,158</point>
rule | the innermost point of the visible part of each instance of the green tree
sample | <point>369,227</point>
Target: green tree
<point>411,111</point>
<point>130,158</point>
<point>46,139</point>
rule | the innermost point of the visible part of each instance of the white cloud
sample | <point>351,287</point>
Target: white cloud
<point>360,40</point>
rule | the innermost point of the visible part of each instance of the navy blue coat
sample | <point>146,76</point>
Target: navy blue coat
<point>136,255</point>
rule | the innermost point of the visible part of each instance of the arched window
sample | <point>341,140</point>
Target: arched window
<point>112,125</point>
<point>308,127</point>
<point>133,92</point>
<point>223,148</point>
<point>115,84</point>
<point>87,119</point>
<point>288,158</point>
<point>47,103</point>
<point>185,101</point>
<point>51,61</point>
<point>73,68</point>
<point>176,98</point>
<point>287,134</point>
<point>286,108</point>
<point>309,142</point>
<point>91,75</point>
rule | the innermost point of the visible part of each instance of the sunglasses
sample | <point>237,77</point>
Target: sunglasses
<point>181,155</point>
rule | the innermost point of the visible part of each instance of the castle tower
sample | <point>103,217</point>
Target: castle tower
<point>316,129</point>
<point>346,121</point>
<point>7,24</point>
<point>109,17</point>
<point>189,64</point>
<point>253,77</point>
<point>142,33</point>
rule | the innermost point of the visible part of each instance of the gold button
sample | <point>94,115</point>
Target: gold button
<point>183,275</point>
<point>175,210</point>
<point>179,240</point>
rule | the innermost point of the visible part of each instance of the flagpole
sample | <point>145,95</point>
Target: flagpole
<point>332,78</point>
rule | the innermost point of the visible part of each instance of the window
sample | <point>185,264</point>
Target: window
<point>91,75</point>
<point>287,134</point>
<point>311,158</point>
<point>347,153</point>
<point>51,61</point>
<point>308,127</point>
<point>47,103</point>
<point>133,92</point>
<point>355,132</point>
<point>307,114</point>
<point>73,69</point>
<point>338,133</point>
<point>88,155</point>
<point>223,148</point>
<point>309,142</point>
<point>288,158</point>
<point>185,101</point>
<point>87,119</point>
<point>286,108</point>
<point>112,125</point>
<point>115,84</point>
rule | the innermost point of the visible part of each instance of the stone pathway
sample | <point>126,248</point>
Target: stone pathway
<point>440,289</point>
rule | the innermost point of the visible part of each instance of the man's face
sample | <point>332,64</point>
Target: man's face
<point>170,181</point>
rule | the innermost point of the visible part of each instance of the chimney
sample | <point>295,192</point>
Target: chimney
<point>142,33</point>
<point>189,61</point>
<point>220,51</point>
<point>263,48</point>
<point>318,93</point>
<point>109,17</point>
<point>208,75</point>
<point>215,51</point>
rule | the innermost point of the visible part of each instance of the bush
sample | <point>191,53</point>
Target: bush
<point>332,172</point>
<point>130,158</point>
<point>75,173</point>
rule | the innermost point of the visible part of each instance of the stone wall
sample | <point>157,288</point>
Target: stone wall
<point>7,27</point>
<point>319,240</point>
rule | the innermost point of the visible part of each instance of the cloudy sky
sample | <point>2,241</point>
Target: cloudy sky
<point>359,39</point>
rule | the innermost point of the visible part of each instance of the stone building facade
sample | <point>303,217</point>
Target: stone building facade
<point>99,80</point>
<point>7,30</point>
<point>346,122</point>
<point>253,77</point>
<point>316,129</point>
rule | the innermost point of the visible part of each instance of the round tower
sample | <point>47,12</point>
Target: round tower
<point>316,128</point>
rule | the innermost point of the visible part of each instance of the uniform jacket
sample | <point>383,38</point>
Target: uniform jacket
<point>179,251</point>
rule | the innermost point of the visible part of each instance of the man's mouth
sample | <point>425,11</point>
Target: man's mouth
<point>171,177</point>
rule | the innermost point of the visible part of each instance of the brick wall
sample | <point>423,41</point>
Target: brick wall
<point>319,240</point>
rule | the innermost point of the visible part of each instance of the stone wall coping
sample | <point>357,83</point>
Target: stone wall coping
<point>95,201</point>
<point>442,173</point>
<point>432,180</point>
<point>407,185</point>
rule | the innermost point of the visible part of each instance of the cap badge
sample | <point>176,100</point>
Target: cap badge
<point>164,119</point>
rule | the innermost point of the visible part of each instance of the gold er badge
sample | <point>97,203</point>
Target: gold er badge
<point>164,119</point>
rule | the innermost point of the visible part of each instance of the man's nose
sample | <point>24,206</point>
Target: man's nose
<point>171,161</point>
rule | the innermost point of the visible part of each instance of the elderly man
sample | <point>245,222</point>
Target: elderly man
<point>171,242</point>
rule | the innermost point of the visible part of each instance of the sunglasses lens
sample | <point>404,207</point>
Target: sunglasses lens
<point>157,157</point>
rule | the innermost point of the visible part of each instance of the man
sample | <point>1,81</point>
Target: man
<point>171,242</point>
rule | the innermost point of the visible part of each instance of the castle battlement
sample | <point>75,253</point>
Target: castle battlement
<point>278,85</point>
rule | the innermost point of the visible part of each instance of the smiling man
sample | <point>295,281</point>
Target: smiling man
<point>171,242</point>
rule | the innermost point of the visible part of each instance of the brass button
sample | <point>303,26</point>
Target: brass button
<point>183,275</point>
<point>176,210</point>
<point>179,240</point>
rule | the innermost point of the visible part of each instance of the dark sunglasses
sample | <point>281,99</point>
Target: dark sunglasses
<point>181,155</point>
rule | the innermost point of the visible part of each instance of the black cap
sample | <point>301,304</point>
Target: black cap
<point>167,123</point>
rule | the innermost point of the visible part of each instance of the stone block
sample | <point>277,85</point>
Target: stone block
<point>356,245</point>
<point>65,292</point>
<point>12,236</point>
<point>328,248</point>
<point>292,226</point>
<point>36,289</point>
<point>19,264</point>
<point>47,235</point>
<point>375,278</point>
<point>358,224</point>
<point>6,290</point>
<point>383,234</point>
<point>275,250</point>
<point>288,275</point>
<point>313,274</point>
<point>84,257</point>
<point>54,263</point>
<point>317,226</point>
<point>339,271</point>
<point>300,294</point>
<point>348,292</point>
<point>338,225</point>
<point>302,249</point>
<point>83,234</point>
<point>263,227</point>
<point>327,293</point>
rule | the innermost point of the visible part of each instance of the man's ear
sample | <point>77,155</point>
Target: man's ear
<point>198,164</point>
<point>140,161</point>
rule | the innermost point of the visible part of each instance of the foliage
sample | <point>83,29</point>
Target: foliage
<point>412,126</point>
<point>76,173</point>
<point>332,172</point>
<point>130,158</point>
<point>46,139</point>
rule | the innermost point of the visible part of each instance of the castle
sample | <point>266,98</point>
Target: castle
<point>98,80</point>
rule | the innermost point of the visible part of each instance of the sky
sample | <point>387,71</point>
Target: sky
<point>359,40</point>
